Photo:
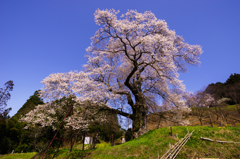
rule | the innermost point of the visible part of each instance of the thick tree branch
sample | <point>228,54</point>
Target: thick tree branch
<point>116,111</point>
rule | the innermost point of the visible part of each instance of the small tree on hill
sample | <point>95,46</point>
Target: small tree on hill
<point>200,102</point>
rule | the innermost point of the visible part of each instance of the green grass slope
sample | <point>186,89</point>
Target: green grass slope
<point>18,155</point>
<point>157,142</point>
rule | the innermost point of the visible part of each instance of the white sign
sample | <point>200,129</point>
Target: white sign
<point>88,140</point>
<point>123,140</point>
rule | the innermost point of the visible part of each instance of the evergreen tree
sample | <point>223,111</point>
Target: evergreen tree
<point>234,78</point>
<point>4,97</point>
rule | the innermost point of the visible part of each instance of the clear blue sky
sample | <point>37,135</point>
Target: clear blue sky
<point>41,37</point>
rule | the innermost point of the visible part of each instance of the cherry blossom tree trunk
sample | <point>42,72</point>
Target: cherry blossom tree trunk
<point>139,120</point>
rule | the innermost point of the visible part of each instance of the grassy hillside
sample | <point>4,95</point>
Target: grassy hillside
<point>156,142</point>
<point>18,155</point>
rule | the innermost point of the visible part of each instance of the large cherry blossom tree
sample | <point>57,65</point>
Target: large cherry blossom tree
<point>137,59</point>
<point>133,63</point>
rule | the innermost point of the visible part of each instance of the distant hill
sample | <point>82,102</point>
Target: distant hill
<point>229,89</point>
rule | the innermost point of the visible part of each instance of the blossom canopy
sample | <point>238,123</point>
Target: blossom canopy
<point>133,62</point>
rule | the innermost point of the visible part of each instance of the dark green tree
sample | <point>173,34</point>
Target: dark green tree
<point>217,90</point>
<point>5,96</point>
<point>234,78</point>
<point>5,142</point>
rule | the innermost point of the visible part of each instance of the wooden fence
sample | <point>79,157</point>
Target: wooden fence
<point>173,151</point>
